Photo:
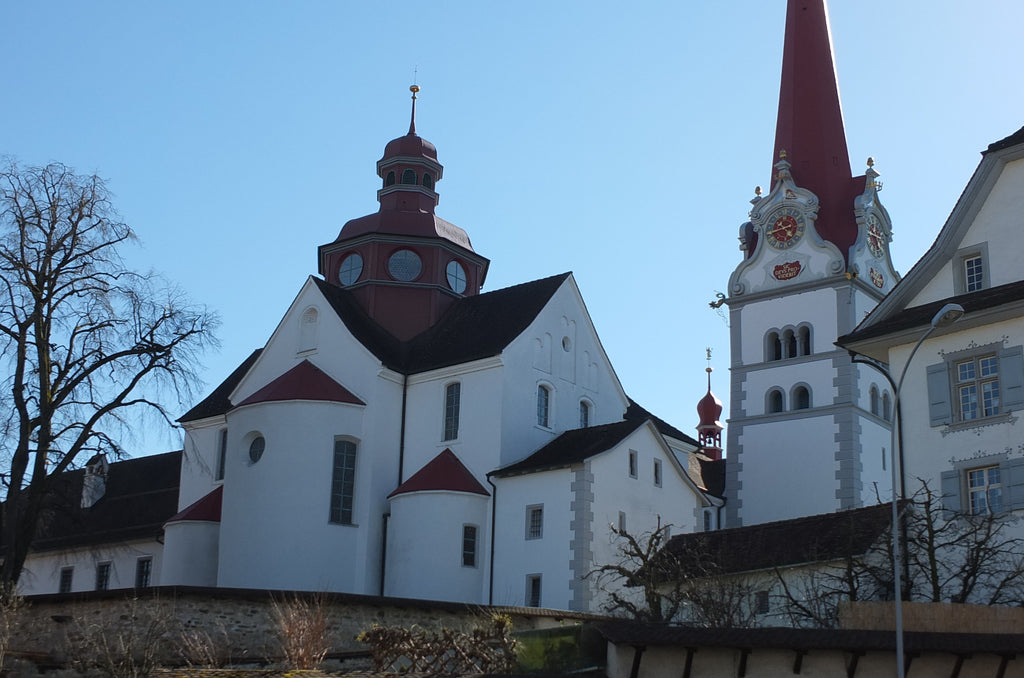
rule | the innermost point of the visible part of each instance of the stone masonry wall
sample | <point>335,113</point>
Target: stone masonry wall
<point>240,621</point>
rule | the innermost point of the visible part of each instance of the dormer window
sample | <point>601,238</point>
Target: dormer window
<point>409,177</point>
<point>971,269</point>
<point>974,274</point>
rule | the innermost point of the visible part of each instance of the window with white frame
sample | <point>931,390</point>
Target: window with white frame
<point>657,472</point>
<point>970,386</point>
<point>143,572</point>
<point>543,406</point>
<point>971,269</point>
<point>801,398</point>
<point>67,575</point>
<point>974,274</point>
<point>774,401</point>
<point>469,545</point>
<point>343,481</point>
<point>632,464</point>
<point>584,414</point>
<point>533,589</point>
<point>535,521</point>
<point>452,403</point>
<point>102,576</point>
<point>985,490</point>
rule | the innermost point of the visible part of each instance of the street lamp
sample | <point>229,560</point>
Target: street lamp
<point>946,316</point>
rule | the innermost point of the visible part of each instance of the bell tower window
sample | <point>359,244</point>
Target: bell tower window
<point>409,177</point>
<point>428,181</point>
<point>389,180</point>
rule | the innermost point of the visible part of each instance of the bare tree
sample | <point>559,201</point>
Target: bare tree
<point>83,339</point>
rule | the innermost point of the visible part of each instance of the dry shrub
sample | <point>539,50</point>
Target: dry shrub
<point>201,649</point>
<point>301,630</point>
<point>131,647</point>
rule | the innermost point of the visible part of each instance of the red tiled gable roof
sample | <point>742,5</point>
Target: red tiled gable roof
<point>305,381</point>
<point>443,472</point>
<point>206,509</point>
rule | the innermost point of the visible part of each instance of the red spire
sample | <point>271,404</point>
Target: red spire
<point>810,122</point>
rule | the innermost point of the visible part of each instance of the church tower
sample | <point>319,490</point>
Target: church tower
<point>404,264</point>
<point>806,434</point>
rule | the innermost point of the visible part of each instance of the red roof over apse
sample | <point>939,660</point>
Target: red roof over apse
<point>443,472</point>
<point>305,381</point>
<point>810,123</point>
<point>206,509</point>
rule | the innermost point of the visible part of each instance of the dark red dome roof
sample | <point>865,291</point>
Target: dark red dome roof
<point>410,146</point>
<point>709,409</point>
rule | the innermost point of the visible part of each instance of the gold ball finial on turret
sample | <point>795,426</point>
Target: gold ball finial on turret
<point>757,191</point>
<point>782,154</point>
<point>871,161</point>
<point>414,89</point>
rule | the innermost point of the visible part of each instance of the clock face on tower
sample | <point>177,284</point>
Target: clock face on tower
<point>875,236</point>
<point>784,228</point>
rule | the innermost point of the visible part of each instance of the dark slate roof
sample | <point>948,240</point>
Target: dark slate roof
<point>824,537</point>
<point>206,509</point>
<point>650,634</point>
<point>637,413</point>
<point>141,494</point>
<point>443,472</point>
<point>305,381</point>
<point>367,332</point>
<point>919,316</point>
<point>217,402</point>
<point>712,472</point>
<point>1012,140</point>
<point>572,447</point>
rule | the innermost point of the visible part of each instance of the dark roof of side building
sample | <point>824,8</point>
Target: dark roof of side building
<point>217,402</point>
<point>635,412</point>
<point>141,494</point>
<point>572,447</point>
<point>712,472</point>
<point>1012,140</point>
<point>917,316</point>
<point>824,537</point>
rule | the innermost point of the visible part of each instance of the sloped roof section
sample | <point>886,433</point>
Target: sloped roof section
<point>825,537</point>
<point>712,475</point>
<point>367,332</point>
<point>206,509</point>
<point>572,447</point>
<point>141,494</point>
<point>1006,142</point>
<point>443,472</point>
<point>635,412</point>
<point>305,381</point>
<point>217,402</point>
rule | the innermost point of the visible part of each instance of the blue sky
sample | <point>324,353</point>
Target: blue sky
<point>619,141</point>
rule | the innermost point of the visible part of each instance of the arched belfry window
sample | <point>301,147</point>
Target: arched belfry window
<point>775,402</point>
<point>307,329</point>
<point>428,181</point>
<point>886,407</point>
<point>389,180</point>
<point>409,177</point>
<point>789,344</point>
<point>772,347</point>
<point>874,400</point>
<point>801,398</point>
<point>803,340</point>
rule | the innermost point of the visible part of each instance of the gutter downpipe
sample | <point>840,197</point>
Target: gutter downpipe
<point>490,565</point>
<point>401,467</point>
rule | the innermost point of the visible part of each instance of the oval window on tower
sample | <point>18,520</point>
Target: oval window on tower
<point>350,270</point>
<point>404,265</point>
<point>456,277</point>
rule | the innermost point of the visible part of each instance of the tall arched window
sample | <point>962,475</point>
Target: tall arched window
<point>409,177</point>
<point>584,414</point>
<point>803,340</point>
<point>307,329</point>
<point>389,180</point>
<point>789,344</point>
<point>543,406</point>
<point>801,398</point>
<point>428,181</point>
<point>776,402</point>
<point>886,407</point>
<point>772,347</point>
<point>874,400</point>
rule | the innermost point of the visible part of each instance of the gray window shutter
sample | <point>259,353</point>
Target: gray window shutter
<point>951,491</point>
<point>1011,378</point>
<point>940,410</point>
<point>1012,472</point>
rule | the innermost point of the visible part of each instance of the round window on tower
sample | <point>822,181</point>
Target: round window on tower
<point>256,448</point>
<point>456,277</point>
<point>405,265</point>
<point>350,270</point>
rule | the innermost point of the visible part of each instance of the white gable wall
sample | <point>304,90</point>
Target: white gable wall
<point>42,570</point>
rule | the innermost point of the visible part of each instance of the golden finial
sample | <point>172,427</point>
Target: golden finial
<point>871,161</point>
<point>412,119</point>
<point>757,191</point>
<point>782,154</point>
<point>708,368</point>
<point>414,89</point>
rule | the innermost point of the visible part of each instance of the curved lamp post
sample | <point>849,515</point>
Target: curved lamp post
<point>946,316</point>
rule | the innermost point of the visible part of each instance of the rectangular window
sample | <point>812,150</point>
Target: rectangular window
<point>452,397</point>
<point>707,521</point>
<point>761,602</point>
<point>983,382</point>
<point>657,472</point>
<point>67,574</point>
<point>543,406</point>
<point>533,590</point>
<point>632,464</point>
<point>974,274</point>
<point>535,521</point>
<point>984,486</point>
<point>102,576</point>
<point>222,455</point>
<point>469,545</point>
<point>977,387</point>
<point>584,415</point>
<point>143,570</point>
<point>343,480</point>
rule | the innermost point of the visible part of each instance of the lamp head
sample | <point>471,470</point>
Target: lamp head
<point>948,315</point>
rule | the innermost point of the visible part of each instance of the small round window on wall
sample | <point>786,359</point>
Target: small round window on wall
<point>256,448</point>
<point>456,277</point>
<point>405,265</point>
<point>350,270</point>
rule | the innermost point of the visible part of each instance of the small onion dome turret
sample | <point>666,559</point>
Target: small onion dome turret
<point>709,409</point>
